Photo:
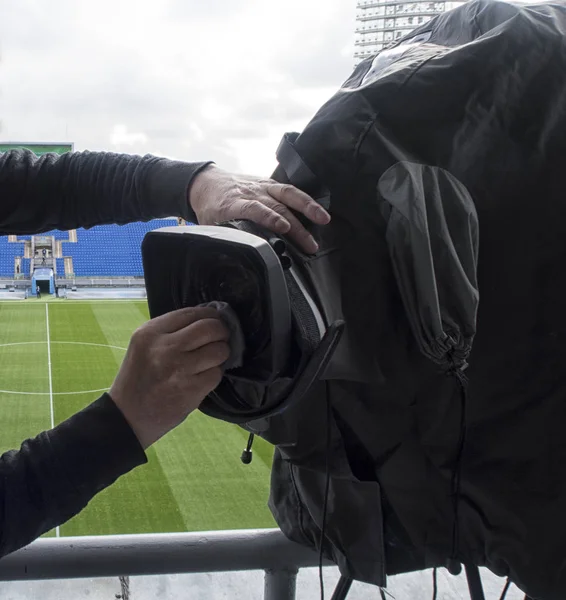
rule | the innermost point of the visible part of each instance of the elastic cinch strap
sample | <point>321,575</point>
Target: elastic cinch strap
<point>474,582</point>
<point>305,320</point>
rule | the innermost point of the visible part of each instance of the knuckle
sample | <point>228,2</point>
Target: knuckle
<point>287,190</point>
<point>280,209</point>
<point>140,337</point>
<point>178,380</point>
<point>253,206</point>
<point>156,362</point>
<point>253,210</point>
<point>245,190</point>
<point>248,209</point>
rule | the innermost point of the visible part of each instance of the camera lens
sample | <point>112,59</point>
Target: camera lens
<point>235,279</point>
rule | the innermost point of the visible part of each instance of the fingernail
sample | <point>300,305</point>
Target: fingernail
<point>322,215</point>
<point>313,246</point>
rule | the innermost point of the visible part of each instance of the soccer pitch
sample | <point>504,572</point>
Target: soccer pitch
<point>56,357</point>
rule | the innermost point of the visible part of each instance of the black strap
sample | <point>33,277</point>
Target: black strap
<point>505,590</point>
<point>435,584</point>
<point>298,172</point>
<point>474,582</point>
<point>456,475</point>
<point>235,410</point>
<point>309,335</point>
<point>342,589</point>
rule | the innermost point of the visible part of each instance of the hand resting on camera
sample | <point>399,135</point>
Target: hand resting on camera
<point>217,196</point>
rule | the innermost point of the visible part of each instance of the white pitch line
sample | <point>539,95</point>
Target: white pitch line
<point>50,342</point>
<point>57,530</point>
<point>54,393</point>
<point>76,343</point>
<point>49,366</point>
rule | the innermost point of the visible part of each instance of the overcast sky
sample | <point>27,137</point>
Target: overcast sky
<point>214,80</point>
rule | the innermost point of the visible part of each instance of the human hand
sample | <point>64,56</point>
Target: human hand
<point>172,363</point>
<point>217,196</point>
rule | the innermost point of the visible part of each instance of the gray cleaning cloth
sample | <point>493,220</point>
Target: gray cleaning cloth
<point>237,340</point>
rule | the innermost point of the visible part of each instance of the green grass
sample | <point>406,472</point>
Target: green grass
<point>194,480</point>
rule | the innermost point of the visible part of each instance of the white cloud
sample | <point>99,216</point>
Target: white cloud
<point>219,80</point>
<point>122,137</point>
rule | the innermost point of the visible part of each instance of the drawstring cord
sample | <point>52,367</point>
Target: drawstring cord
<point>247,455</point>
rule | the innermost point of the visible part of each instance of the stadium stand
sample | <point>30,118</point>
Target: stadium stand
<point>103,251</point>
<point>111,250</point>
<point>8,252</point>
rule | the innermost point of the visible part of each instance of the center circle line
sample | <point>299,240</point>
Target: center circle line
<point>59,393</point>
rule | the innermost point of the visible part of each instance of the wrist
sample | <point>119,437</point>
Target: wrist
<point>197,190</point>
<point>144,437</point>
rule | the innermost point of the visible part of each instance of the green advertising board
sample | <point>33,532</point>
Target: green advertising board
<point>37,148</point>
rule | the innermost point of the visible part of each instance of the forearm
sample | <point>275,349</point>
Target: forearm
<point>54,476</point>
<point>84,189</point>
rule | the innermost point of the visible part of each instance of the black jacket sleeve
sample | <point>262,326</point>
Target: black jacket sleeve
<point>83,189</point>
<point>54,475</point>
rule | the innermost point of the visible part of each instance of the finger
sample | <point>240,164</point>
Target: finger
<point>298,200</point>
<point>297,233</point>
<point>207,357</point>
<point>198,334</point>
<point>207,381</point>
<point>269,213</point>
<point>178,319</point>
<point>256,211</point>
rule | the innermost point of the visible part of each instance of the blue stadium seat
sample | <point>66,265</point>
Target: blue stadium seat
<point>104,251</point>
<point>26,266</point>
<point>8,252</point>
<point>111,250</point>
<point>60,267</point>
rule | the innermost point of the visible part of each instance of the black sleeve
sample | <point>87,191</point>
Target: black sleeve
<point>54,476</point>
<point>83,189</point>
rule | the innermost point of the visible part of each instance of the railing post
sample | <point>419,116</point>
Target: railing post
<point>280,584</point>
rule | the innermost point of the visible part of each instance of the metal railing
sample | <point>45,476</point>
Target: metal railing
<point>165,554</point>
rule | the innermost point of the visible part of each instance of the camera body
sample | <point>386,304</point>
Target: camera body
<point>288,342</point>
<point>192,265</point>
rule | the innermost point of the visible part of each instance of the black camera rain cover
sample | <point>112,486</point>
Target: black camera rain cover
<point>462,122</point>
